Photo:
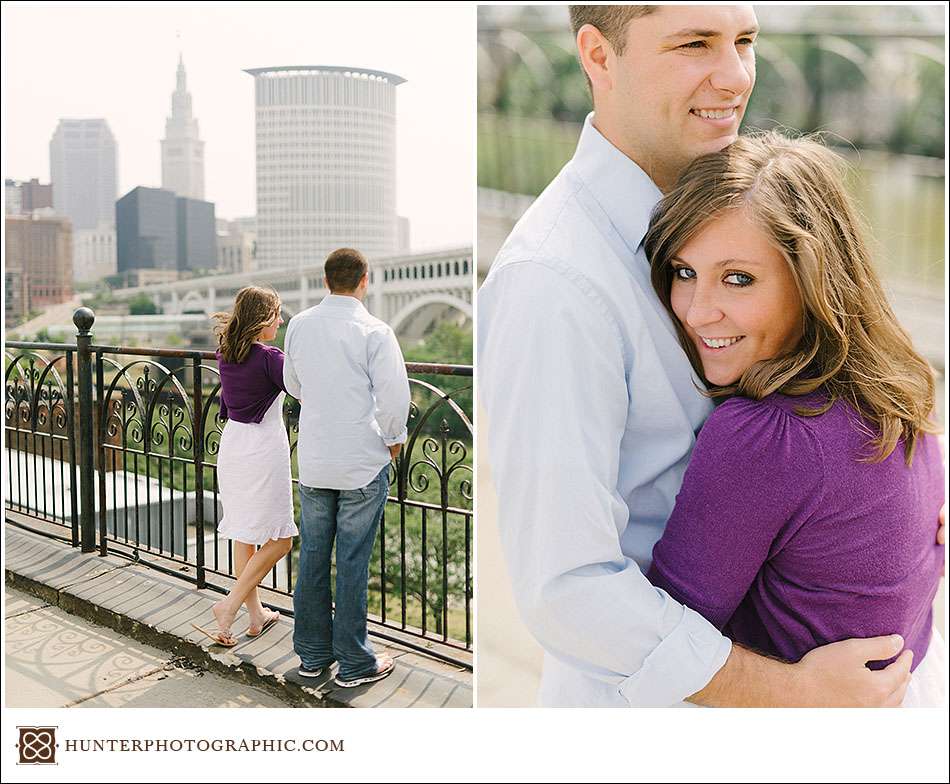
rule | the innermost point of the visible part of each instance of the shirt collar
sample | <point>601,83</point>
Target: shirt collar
<point>343,302</point>
<point>623,190</point>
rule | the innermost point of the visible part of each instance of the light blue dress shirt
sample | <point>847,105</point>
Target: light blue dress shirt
<point>346,368</point>
<point>592,409</point>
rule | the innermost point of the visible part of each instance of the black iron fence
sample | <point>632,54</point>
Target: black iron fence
<point>114,449</point>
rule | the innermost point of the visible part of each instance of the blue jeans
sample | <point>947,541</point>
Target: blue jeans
<point>352,518</point>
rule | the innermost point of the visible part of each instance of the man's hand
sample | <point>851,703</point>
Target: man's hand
<point>833,675</point>
<point>942,525</point>
<point>394,450</point>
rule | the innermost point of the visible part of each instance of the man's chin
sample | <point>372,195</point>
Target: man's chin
<point>716,144</point>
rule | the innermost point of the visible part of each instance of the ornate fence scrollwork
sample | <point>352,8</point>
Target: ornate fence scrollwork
<point>155,433</point>
<point>39,434</point>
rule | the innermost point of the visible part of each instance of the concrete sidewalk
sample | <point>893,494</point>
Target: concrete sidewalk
<point>57,660</point>
<point>154,610</point>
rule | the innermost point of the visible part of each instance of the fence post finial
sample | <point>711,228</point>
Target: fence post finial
<point>84,318</point>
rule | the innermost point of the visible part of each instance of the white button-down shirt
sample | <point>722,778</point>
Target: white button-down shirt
<point>346,368</point>
<point>592,409</point>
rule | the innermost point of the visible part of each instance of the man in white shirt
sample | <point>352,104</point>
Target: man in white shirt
<point>347,370</point>
<point>591,404</point>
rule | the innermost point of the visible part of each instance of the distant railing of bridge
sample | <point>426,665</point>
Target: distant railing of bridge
<point>113,449</point>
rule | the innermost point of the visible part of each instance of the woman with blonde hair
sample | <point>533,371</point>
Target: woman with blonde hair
<point>806,514</point>
<point>254,457</point>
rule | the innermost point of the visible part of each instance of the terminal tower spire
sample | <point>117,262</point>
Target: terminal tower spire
<point>183,165</point>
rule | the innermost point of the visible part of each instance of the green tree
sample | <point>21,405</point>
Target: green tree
<point>447,344</point>
<point>142,305</point>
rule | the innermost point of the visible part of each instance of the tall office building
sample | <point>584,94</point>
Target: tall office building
<point>40,249</point>
<point>326,162</point>
<point>183,161</point>
<point>82,162</point>
<point>164,233</point>
<point>197,235</point>
<point>146,222</point>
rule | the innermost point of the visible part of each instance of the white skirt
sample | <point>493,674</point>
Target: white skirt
<point>254,479</point>
<point>927,687</point>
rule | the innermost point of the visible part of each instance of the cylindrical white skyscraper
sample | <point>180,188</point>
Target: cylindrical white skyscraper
<point>326,162</point>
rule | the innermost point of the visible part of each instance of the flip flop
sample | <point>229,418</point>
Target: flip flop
<point>268,624</point>
<point>382,672</point>
<point>219,638</point>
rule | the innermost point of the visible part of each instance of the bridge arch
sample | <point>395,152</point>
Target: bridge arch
<point>404,316</point>
<point>193,302</point>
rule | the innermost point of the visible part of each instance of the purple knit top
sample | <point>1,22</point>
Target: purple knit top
<point>785,541</point>
<point>249,388</point>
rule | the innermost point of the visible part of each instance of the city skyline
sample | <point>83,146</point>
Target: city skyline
<point>89,74</point>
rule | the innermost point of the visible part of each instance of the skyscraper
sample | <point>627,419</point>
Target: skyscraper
<point>183,153</point>
<point>326,162</point>
<point>40,247</point>
<point>147,230</point>
<point>197,238</point>
<point>82,164</point>
<point>157,230</point>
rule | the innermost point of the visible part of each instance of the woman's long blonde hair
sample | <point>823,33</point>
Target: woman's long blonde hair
<point>852,345</point>
<point>254,309</point>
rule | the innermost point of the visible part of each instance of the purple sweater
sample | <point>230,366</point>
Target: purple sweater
<point>785,541</point>
<point>249,388</point>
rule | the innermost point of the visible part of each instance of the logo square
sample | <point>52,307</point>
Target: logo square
<point>37,745</point>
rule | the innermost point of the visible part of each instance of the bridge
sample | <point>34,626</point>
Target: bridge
<point>411,292</point>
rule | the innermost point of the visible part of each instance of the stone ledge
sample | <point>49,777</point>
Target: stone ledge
<point>158,610</point>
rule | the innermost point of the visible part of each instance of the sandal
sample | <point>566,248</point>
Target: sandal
<point>384,667</point>
<point>224,639</point>
<point>271,622</point>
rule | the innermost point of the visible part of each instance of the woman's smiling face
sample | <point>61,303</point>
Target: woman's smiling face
<point>735,296</point>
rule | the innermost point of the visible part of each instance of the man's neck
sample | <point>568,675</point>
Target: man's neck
<point>614,134</point>
<point>357,295</point>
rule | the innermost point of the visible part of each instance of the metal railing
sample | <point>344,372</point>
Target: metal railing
<point>113,449</point>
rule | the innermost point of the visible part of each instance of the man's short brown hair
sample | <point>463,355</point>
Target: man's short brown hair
<point>611,20</point>
<point>344,269</point>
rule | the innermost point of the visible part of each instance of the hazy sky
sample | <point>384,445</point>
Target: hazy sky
<point>118,61</point>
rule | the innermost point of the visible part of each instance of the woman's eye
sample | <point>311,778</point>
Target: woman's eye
<point>738,279</point>
<point>684,273</point>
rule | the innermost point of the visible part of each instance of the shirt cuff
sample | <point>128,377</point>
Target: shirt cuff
<point>397,439</point>
<point>681,665</point>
